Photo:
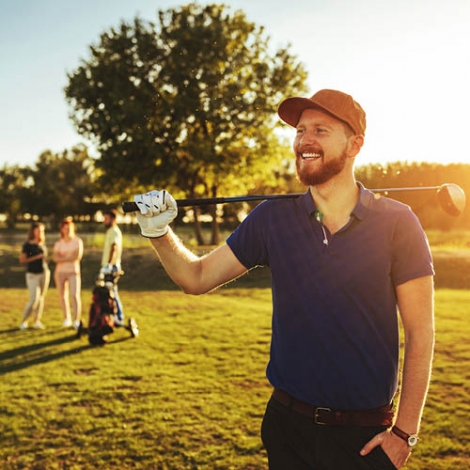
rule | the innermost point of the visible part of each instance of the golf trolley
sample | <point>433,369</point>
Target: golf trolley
<point>103,308</point>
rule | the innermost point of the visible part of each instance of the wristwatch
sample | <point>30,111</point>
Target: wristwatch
<point>410,439</point>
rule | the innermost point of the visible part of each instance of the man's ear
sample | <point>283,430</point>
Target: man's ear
<point>355,144</point>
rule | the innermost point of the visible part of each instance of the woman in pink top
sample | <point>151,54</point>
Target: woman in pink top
<point>68,252</point>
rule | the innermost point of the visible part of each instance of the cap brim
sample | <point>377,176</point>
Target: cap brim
<point>291,109</point>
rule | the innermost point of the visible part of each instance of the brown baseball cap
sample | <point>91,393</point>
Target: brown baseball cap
<point>333,102</point>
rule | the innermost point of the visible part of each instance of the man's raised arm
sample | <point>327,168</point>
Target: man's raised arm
<point>195,275</point>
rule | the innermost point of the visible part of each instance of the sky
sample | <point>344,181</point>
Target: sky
<point>407,62</point>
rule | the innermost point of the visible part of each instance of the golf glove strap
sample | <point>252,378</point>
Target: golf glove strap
<point>157,209</point>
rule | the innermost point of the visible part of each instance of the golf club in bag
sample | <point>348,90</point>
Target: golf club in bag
<point>450,196</point>
<point>103,308</point>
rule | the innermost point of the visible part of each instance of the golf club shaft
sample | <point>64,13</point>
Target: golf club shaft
<point>132,206</point>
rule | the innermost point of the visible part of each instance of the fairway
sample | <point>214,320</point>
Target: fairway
<point>189,393</point>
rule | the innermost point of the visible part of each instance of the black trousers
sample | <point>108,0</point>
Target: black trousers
<point>294,442</point>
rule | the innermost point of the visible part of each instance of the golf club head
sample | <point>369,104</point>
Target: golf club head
<point>451,198</point>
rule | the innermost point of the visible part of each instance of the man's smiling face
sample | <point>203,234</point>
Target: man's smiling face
<point>320,147</point>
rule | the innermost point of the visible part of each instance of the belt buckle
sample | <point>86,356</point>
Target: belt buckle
<point>316,416</point>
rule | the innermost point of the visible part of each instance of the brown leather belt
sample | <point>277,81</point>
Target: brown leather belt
<point>375,417</point>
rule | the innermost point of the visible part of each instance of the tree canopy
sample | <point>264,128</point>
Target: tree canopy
<point>188,103</point>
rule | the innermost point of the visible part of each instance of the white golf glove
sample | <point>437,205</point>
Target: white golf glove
<point>157,211</point>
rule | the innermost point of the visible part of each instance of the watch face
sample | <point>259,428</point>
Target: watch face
<point>412,440</point>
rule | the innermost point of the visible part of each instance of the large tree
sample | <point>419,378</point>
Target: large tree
<point>187,104</point>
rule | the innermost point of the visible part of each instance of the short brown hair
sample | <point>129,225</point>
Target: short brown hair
<point>111,212</point>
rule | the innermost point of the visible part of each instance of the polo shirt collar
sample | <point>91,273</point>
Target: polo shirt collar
<point>366,198</point>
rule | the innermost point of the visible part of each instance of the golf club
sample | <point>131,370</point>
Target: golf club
<point>450,196</point>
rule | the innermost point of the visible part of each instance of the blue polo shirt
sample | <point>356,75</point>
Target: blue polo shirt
<point>335,325</point>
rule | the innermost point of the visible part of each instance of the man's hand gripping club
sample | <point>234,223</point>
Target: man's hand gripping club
<point>157,210</point>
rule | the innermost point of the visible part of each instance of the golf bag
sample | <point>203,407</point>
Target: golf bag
<point>103,308</point>
<point>101,317</point>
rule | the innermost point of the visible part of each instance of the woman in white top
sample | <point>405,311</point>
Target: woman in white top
<point>67,253</point>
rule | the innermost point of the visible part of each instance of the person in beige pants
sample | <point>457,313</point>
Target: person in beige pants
<point>67,254</point>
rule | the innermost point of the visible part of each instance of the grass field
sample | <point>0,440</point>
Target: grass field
<point>190,392</point>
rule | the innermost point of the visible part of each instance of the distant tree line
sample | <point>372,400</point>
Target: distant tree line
<point>67,184</point>
<point>56,186</point>
<point>424,203</point>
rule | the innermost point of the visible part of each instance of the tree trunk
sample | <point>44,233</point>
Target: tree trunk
<point>198,227</point>
<point>11,220</point>
<point>215,236</point>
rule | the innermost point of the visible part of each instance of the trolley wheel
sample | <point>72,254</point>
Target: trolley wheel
<point>133,327</point>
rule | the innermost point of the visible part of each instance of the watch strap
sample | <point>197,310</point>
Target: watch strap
<point>410,439</point>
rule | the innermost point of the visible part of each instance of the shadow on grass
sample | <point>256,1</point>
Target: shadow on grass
<point>26,350</point>
<point>39,350</point>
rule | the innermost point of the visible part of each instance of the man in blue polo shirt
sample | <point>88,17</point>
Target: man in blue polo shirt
<point>343,262</point>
